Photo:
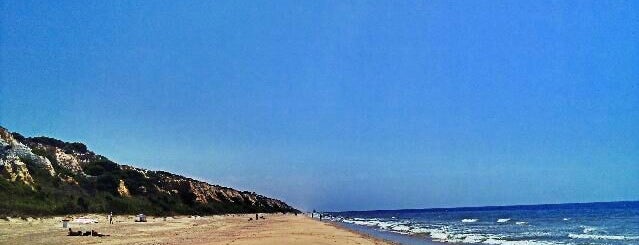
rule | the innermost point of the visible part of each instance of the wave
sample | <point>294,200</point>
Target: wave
<point>457,233</point>
<point>401,228</point>
<point>512,227</point>
<point>441,233</point>
<point>522,242</point>
<point>435,234</point>
<point>471,238</point>
<point>602,237</point>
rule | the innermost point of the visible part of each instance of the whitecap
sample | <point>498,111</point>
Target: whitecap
<point>588,229</point>
<point>471,238</point>
<point>537,233</point>
<point>502,220</point>
<point>521,223</point>
<point>602,237</point>
<point>363,222</point>
<point>435,234</point>
<point>402,228</point>
<point>523,242</point>
<point>469,220</point>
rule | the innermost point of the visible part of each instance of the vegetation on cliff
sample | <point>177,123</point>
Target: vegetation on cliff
<point>63,178</point>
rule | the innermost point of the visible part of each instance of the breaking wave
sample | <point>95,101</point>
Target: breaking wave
<point>602,237</point>
<point>440,233</point>
<point>570,224</point>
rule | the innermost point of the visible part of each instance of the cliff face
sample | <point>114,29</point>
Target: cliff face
<point>42,175</point>
<point>13,158</point>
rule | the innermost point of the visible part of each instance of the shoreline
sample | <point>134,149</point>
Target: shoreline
<point>387,236</point>
<point>363,234</point>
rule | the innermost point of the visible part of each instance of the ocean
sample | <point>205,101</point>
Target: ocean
<point>613,223</point>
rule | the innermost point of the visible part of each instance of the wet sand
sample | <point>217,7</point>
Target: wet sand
<point>224,229</point>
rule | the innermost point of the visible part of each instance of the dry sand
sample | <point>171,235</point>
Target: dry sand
<point>236,229</point>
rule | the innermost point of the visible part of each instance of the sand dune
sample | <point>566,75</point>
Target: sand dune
<point>275,229</point>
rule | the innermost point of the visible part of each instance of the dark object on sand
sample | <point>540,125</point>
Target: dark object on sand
<point>140,218</point>
<point>74,233</point>
<point>250,219</point>
<point>95,233</point>
<point>88,233</point>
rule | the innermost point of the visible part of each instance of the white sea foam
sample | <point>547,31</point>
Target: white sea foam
<point>435,234</point>
<point>363,222</point>
<point>566,219</point>
<point>537,233</point>
<point>502,220</point>
<point>443,233</point>
<point>521,223</point>
<point>395,226</point>
<point>588,229</point>
<point>470,238</point>
<point>523,242</point>
<point>401,228</point>
<point>602,237</point>
<point>386,225</point>
<point>489,239</point>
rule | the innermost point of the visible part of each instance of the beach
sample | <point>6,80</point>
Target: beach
<point>220,229</point>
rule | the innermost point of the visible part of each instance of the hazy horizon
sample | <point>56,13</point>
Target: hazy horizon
<point>333,105</point>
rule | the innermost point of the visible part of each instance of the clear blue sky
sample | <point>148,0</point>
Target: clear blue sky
<point>341,105</point>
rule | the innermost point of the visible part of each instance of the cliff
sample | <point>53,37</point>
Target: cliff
<point>43,176</point>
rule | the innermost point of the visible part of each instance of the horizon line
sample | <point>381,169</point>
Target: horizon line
<point>489,206</point>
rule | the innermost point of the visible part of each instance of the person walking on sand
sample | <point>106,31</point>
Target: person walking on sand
<point>111,218</point>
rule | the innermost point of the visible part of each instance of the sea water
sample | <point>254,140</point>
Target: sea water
<point>613,223</point>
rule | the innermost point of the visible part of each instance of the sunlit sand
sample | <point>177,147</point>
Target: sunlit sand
<point>229,229</point>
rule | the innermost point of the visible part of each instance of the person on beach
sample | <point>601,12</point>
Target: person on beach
<point>95,233</point>
<point>74,233</point>
<point>111,218</point>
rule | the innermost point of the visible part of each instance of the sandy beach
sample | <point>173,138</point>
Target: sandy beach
<point>223,229</point>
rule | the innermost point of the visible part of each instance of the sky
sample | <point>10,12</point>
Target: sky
<point>340,105</point>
